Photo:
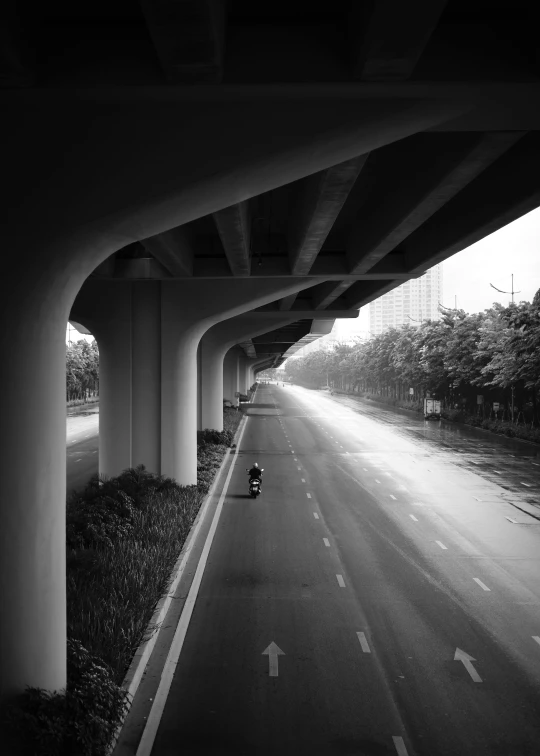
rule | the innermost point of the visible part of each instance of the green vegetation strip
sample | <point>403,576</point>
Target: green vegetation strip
<point>123,537</point>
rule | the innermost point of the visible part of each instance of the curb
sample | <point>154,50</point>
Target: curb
<point>133,676</point>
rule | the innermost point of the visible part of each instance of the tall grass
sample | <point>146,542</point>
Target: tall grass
<point>123,538</point>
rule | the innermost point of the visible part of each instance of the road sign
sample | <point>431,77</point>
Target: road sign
<point>496,406</point>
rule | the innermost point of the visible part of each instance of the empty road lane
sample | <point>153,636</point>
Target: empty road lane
<point>382,596</point>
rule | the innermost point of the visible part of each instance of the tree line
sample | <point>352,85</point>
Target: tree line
<point>469,361</point>
<point>82,370</point>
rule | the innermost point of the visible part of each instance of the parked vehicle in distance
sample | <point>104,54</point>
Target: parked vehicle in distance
<point>432,409</point>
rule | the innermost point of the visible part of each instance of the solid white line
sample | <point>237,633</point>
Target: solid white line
<point>481,584</point>
<point>315,515</point>
<point>340,581</point>
<point>393,497</point>
<point>326,542</point>
<point>536,638</point>
<point>363,642</point>
<point>439,543</point>
<point>413,518</point>
<point>400,745</point>
<point>154,718</point>
<point>308,495</point>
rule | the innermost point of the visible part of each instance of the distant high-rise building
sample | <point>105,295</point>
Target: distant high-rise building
<point>412,302</point>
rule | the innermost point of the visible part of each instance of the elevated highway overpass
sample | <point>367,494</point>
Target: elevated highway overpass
<point>185,177</point>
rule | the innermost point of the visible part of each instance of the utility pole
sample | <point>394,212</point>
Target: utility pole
<point>507,292</point>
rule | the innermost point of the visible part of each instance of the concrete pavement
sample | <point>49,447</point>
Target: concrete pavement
<point>405,600</point>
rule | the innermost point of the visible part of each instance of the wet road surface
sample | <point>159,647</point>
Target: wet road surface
<point>81,446</point>
<point>382,596</point>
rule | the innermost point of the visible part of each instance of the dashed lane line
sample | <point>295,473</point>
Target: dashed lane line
<point>482,585</point>
<point>377,481</point>
<point>363,643</point>
<point>393,497</point>
<point>303,480</point>
<point>340,580</point>
<point>514,522</point>
<point>315,515</point>
<point>439,543</point>
<point>413,517</point>
<point>536,638</point>
<point>326,542</point>
<point>308,495</point>
<point>401,749</point>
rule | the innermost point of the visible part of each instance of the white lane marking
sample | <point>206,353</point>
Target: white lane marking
<point>536,638</point>
<point>87,436</point>
<point>463,656</point>
<point>526,484</point>
<point>154,718</point>
<point>326,542</point>
<point>400,745</point>
<point>535,464</point>
<point>441,544</point>
<point>377,481</point>
<point>497,472</point>
<point>315,515</point>
<point>296,461</point>
<point>308,495</point>
<point>346,452</point>
<point>514,522</point>
<point>292,451</point>
<point>482,585</point>
<point>393,497</point>
<point>475,463</point>
<point>363,642</point>
<point>272,652</point>
<point>78,460</point>
<point>365,469</point>
<point>417,504</point>
<point>340,581</point>
<point>94,452</point>
<point>413,518</point>
<point>298,467</point>
<point>303,480</point>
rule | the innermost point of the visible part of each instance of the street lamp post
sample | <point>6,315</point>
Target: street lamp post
<point>512,292</point>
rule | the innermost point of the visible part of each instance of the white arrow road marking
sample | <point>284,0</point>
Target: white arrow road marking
<point>413,518</point>
<point>514,522</point>
<point>340,580</point>
<point>482,585</point>
<point>363,642</point>
<point>272,652</point>
<point>467,660</point>
<point>326,542</point>
<point>536,638</point>
<point>315,515</point>
<point>400,745</point>
<point>439,543</point>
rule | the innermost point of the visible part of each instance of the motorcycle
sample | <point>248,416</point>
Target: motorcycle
<point>255,486</point>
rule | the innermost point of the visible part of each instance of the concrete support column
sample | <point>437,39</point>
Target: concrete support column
<point>146,375</point>
<point>212,384</point>
<point>242,374</point>
<point>230,374</point>
<point>33,488</point>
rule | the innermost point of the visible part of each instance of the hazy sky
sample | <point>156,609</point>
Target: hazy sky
<point>468,274</point>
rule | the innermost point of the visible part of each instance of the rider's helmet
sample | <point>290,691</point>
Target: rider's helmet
<point>255,464</point>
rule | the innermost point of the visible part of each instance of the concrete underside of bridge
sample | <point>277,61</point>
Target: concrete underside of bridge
<point>158,189</point>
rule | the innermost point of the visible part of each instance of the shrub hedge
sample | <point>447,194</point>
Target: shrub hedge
<point>123,537</point>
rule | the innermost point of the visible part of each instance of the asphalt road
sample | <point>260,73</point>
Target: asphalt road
<point>81,446</point>
<point>389,562</point>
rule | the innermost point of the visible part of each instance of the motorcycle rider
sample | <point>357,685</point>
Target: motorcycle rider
<point>256,473</point>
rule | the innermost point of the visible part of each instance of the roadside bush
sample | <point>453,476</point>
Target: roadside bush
<point>79,721</point>
<point>123,537</point>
